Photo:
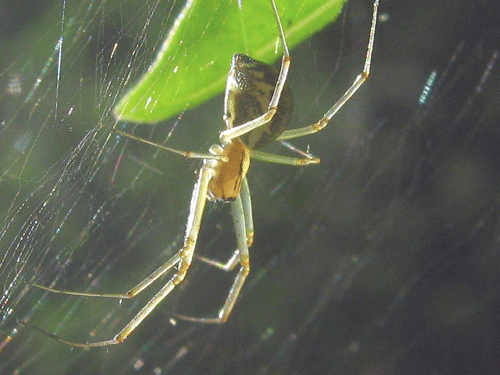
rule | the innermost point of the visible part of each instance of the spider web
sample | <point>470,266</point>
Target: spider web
<point>382,259</point>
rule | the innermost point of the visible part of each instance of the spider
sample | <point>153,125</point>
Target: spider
<point>257,109</point>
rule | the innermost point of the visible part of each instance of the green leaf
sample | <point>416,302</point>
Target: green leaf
<point>193,62</point>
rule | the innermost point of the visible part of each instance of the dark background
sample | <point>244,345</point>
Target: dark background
<point>383,259</point>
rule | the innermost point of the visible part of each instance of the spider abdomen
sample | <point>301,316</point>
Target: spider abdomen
<point>249,89</point>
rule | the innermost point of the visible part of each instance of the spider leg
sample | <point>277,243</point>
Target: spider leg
<point>279,159</point>
<point>228,266</point>
<point>160,271</point>
<point>164,268</point>
<point>183,258</point>
<point>240,213</point>
<point>246,201</point>
<point>186,154</point>
<point>227,135</point>
<point>360,79</point>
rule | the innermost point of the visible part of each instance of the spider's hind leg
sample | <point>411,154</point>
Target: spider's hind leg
<point>182,260</point>
<point>242,216</point>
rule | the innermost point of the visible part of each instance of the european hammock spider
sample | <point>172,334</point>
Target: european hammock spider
<point>257,109</point>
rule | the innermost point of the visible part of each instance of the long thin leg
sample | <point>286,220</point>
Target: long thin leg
<point>231,133</point>
<point>160,271</point>
<point>183,258</point>
<point>241,240</point>
<point>246,202</point>
<point>240,256</point>
<point>227,267</point>
<point>360,79</point>
<point>186,154</point>
<point>279,159</point>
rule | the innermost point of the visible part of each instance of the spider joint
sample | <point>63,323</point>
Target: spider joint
<point>271,111</point>
<point>320,125</point>
<point>250,237</point>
